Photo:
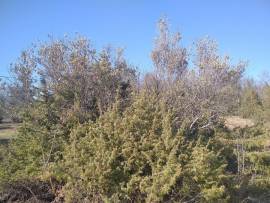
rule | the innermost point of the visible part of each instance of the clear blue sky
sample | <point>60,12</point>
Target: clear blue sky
<point>241,27</point>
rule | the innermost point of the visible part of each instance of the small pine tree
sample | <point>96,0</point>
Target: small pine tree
<point>250,104</point>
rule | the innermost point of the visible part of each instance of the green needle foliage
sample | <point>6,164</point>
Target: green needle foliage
<point>138,156</point>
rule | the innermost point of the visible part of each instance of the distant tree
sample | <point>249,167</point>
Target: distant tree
<point>266,101</point>
<point>250,103</point>
<point>21,90</point>
<point>3,100</point>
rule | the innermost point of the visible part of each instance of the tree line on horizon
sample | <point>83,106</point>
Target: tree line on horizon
<point>92,129</point>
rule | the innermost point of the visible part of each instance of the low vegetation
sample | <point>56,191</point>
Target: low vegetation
<point>92,130</point>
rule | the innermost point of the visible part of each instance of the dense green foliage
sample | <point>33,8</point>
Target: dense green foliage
<point>92,131</point>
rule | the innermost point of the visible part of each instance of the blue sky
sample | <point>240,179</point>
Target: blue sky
<point>242,28</point>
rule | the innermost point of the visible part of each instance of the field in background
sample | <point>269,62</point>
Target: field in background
<point>7,131</point>
<point>233,122</point>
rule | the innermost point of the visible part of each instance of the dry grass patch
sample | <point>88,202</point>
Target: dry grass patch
<point>7,130</point>
<point>233,122</point>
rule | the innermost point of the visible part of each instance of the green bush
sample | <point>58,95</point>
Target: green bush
<point>138,156</point>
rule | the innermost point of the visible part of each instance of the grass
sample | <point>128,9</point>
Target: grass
<point>7,130</point>
<point>233,122</point>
